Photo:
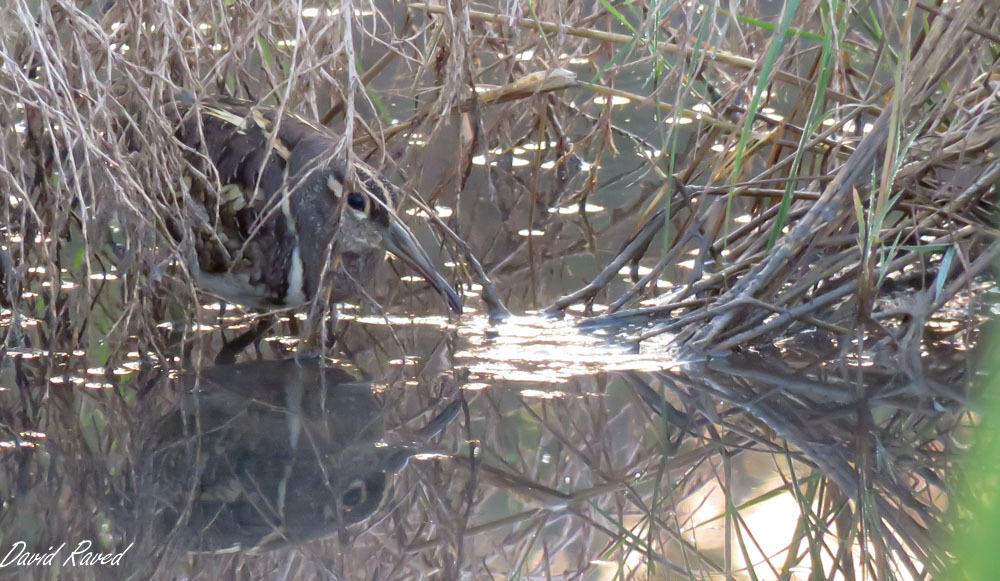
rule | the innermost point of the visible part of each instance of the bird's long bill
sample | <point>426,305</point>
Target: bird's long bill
<point>399,242</point>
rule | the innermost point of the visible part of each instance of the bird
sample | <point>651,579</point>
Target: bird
<point>274,207</point>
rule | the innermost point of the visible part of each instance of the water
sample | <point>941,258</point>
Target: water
<point>460,448</point>
<point>457,448</point>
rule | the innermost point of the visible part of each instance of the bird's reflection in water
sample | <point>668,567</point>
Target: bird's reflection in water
<point>268,454</point>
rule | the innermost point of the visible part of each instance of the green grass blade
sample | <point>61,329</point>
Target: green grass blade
<point>765,74</point>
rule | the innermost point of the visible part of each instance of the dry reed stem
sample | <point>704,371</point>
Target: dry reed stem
<point>89,166</point>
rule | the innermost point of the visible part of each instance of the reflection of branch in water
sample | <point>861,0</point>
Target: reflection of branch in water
<point>829,425</point>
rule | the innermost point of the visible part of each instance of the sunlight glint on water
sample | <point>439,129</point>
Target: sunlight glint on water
<point>539,349</point>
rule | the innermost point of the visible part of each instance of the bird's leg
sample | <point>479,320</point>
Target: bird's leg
<point>252,336</point>
<point>256,344</point>
<point>330,329</point>
<point>323,340</point>
<point>294,330</point>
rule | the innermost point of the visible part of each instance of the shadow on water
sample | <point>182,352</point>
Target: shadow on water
<point>467,451</point>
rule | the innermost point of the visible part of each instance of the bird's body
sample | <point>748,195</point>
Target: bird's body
<point>273,208</point>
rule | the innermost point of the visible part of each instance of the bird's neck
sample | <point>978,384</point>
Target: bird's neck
<point>315,222</point>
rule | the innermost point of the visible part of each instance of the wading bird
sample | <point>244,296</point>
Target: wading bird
<point>275,209</point>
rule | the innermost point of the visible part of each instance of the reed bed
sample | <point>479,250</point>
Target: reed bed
<point>857,149</point>
<point>668,174</point>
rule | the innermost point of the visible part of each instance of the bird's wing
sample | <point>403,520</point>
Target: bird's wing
<point>244,236</point>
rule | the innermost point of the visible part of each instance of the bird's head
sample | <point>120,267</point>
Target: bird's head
<point>362,204</point>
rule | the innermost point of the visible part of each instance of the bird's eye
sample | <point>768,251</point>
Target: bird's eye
<point>354,495</point>
<point>356,201</point>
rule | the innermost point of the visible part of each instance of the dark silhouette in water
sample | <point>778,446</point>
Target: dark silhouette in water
<point>266,454</point>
